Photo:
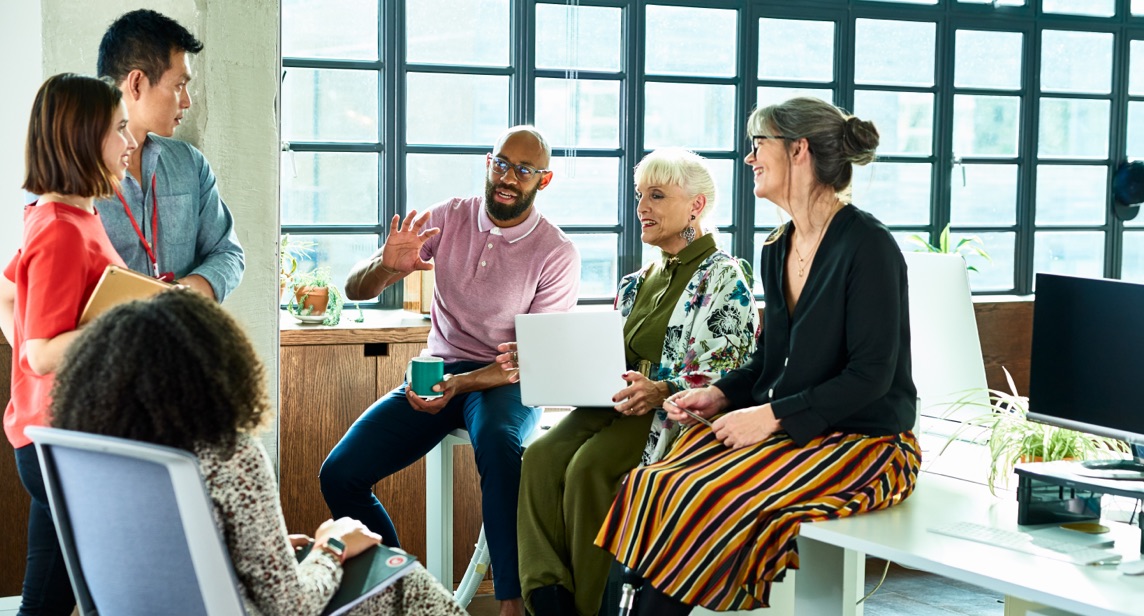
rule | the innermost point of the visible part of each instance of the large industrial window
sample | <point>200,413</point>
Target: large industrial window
<point>1004,119</point>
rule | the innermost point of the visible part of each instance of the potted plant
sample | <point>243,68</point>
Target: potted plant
<point>315,295</point>
<point>1012,438</point>
<point>966,245</point>
<point>290,252</point>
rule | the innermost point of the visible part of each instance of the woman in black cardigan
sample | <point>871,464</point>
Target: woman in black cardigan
<point>817,424</point>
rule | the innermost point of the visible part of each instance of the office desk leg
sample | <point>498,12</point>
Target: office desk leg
<point>439,512</point>
<point>830,580</point>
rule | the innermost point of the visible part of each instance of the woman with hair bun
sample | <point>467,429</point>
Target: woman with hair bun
<point>816,425</point>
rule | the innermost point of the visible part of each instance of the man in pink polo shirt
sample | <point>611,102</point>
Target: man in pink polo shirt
<point>495,257</point>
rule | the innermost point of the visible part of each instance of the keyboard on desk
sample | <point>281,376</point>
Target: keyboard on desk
<point>1020,542</point>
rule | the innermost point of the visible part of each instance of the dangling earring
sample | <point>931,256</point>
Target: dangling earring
<point>688,233</point>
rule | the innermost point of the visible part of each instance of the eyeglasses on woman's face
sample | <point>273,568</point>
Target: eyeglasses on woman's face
<point>524,172</point>
<point>757,142</point>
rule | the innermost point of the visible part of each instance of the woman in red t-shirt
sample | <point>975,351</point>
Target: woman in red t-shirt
<point>77,150</point>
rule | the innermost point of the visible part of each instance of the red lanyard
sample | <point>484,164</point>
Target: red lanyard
<point>153,246</point>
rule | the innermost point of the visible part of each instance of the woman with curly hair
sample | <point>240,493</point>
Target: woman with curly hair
<point>817,424</point>
<point>689,317</point>
<point>177,370</point>
<point>77,150</point>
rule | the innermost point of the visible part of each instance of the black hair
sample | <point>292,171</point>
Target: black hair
<point>142,39</point>
<point>174,370</point>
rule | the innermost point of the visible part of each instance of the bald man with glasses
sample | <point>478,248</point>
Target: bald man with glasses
<point>494,257</point>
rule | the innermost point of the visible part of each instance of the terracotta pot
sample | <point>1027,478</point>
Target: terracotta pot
<point>314,298</point>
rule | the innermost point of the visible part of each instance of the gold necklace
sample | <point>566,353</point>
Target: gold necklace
<point>821,232</point>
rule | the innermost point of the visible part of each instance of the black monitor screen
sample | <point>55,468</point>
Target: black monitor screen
<point>1087,366</point>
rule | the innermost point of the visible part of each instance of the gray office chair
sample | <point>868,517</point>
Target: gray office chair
<point>136,527</point>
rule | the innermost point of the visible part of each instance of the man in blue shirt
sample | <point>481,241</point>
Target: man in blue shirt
<point>170,192</point>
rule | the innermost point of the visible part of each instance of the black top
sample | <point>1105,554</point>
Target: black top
<point>841,361</point>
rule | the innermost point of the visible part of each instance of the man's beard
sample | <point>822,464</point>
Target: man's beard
<point>502,212</point>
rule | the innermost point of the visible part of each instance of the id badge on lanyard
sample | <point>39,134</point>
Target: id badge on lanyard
<point>151,247</point>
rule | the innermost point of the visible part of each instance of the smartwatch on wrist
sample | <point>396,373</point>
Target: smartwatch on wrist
<point>335,547</point>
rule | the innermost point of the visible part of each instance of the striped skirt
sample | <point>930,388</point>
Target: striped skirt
<point>714,527</point>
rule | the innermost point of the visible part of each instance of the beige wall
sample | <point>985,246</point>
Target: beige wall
<point>19,39</point>
<point>233,121</point>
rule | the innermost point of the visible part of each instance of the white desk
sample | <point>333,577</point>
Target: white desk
<point>830,550</point>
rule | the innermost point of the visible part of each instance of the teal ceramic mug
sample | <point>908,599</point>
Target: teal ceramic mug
<point>423,373</point>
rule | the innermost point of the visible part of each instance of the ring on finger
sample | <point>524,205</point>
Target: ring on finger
<point>515,358</point>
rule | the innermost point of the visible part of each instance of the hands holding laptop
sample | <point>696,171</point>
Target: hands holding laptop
<point>509,361</point>
<point>641,395</point>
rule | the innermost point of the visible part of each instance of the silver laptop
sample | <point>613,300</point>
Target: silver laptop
<point>570,358</point>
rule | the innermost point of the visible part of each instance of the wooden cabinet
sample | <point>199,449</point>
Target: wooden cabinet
<point>328,376</point>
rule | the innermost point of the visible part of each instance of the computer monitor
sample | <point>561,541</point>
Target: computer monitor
<point>1087,367</point>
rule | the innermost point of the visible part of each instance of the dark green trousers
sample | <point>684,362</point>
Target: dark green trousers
<point>568,481</point>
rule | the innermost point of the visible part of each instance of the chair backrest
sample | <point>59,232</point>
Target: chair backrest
<point>136,526</point>
<point>946,350</point>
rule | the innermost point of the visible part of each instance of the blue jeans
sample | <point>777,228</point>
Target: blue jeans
<point>391,435</point>
<point>47,589</point>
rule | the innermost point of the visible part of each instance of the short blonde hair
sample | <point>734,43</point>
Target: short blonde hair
<point>678,167</point>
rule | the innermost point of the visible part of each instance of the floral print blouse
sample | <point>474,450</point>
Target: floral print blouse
<point>712,330</point>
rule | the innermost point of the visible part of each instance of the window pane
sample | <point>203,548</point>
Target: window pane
<point>580,113</point>
<point>896,193</point>
<point>333,188</point>
<point>327,105</point>
<point>471,32</point>
<point>1132,266</point>
<point>337,252</point>
<point>722,172</point>
<point>676,47</point>
<point>998,274</point>
<point>1070,253</point>
<point>1100,8</point>
<point>346,30</point>
<point>983,195</point>
<point>432,178</point>
<point>894,52</point>
<point>1073,128</point>
<point>985,125</point>
<point>585,37</point>
<point>1136,130</point>
<point>695,116</point>
<point>599,254</point>
<point>1136,64</point>
<point>796,50</point>
<point>1071,194</point>
<point>908,1</point>
<point>1138,7</point>
<point>1076,61</point>
<point>583,191</point>
<point>998,2</point>
<point>774,96</point>
<point>904,120</point>
<point>456,109</point>
<point>988,60</point>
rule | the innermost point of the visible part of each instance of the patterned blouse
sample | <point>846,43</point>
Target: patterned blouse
<point>711,331</point>
<point>270,579</point>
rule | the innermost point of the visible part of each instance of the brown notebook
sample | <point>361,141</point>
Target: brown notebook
<point>117,286</point>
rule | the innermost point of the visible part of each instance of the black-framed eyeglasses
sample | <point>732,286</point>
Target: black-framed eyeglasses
<point>523,172</point>
<point>757,142</point>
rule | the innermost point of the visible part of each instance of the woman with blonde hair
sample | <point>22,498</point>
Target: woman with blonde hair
<point>817,424</point>
<point>689,318</point>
